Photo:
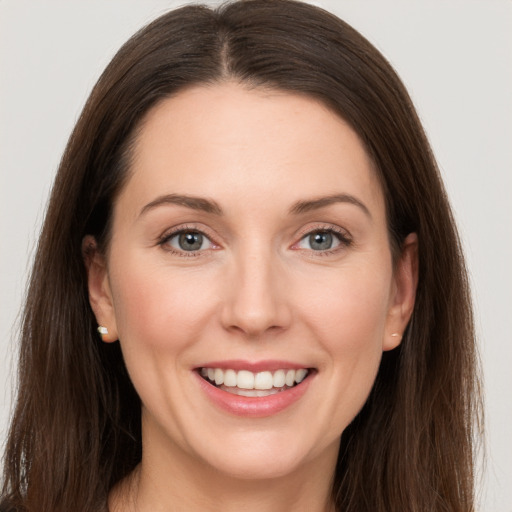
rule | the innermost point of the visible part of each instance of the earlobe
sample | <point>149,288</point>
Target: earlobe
<point>100,295</point>
<point>404,293</point>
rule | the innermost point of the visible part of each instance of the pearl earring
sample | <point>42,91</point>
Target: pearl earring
<point>102,330</point>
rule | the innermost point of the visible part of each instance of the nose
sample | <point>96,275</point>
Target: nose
<point>255,301</point>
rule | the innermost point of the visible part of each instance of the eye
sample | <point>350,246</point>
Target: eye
<point>322,240</point>
<point>189,241</point>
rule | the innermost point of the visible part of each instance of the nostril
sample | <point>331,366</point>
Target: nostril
<point>256,303</point>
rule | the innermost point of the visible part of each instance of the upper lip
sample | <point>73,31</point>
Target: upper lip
<point>253,366</point>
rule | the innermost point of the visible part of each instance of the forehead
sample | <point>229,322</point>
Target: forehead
<point>226,141</point>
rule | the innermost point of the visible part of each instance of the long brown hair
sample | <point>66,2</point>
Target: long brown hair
<point>76,427</point>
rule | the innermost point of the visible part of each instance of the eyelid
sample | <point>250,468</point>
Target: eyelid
<point>344,237</point>
<point>167,235</point>
<point>309,229</point>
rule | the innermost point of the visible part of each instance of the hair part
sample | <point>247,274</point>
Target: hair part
<point>76,427</point>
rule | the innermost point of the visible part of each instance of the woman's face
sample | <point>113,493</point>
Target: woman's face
<point>250,245</point>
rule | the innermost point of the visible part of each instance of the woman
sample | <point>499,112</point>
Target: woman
<point>259,296</point>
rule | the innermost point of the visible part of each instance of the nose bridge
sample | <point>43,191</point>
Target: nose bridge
<point>256,302</point>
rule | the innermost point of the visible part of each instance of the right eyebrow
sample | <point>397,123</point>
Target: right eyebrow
<point>192,202</point>
<point>321,202</point>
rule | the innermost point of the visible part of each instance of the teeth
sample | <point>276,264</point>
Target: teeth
<point>247,383</point>
<point>263,380</point>
<point>250,392</point>
<point>279,379</point>
<point>290,378</point>
<point>230,378</point>
<point>300,375</point>
<point>219,376</point>
<point>245,380</point>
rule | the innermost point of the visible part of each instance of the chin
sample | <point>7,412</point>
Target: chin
<point>265,455</point>
<point>258,468</point>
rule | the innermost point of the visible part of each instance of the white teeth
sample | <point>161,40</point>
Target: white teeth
<point>219,376</point>
<point>230,378</point>
<point>245,379</point>
<point>265,382</point>
<point>250,392</point>
<point>300,375</point>
<point>279,379</point>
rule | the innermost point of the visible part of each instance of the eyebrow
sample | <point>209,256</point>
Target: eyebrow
<point>315,204</point>
<point>210,206</point>
<point>195,203</point>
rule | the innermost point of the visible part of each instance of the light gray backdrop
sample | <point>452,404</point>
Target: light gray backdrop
<point>454,56</point>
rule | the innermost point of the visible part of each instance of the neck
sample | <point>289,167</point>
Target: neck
<point>173,480</point>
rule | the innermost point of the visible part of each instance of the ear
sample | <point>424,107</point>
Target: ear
<point>403,294</point>
<point>100,295</point>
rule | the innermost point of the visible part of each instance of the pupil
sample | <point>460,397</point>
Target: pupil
<point>191,241</point>
<point>320,241</point>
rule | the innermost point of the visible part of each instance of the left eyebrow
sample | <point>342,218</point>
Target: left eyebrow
<point>321,202</point>
<point>192,202</point>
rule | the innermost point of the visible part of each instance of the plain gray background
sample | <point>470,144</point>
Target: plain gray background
<point>455,57</point>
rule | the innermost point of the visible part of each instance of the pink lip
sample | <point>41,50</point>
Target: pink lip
<point>270,365</point>
<point>254,407</point>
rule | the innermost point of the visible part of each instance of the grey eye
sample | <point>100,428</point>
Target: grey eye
<point>189,241</point>
<point>320,241</point>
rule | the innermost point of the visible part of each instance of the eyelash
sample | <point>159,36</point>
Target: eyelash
<point>342,236</point>
<point>164,239</point>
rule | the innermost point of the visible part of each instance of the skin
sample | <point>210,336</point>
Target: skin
<point>257,291</point>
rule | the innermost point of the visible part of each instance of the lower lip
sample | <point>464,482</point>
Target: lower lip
<point>255,407</point>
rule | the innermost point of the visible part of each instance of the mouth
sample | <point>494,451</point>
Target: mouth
<point>254,384</point>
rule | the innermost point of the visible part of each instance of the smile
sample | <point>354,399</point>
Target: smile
<point>254,389</point>
<point>251,384</point>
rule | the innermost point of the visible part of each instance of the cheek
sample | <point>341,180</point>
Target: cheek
<point>158,309</point>
<point>349,321</point>
<point>160,314</point>
<point>351,307</point>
